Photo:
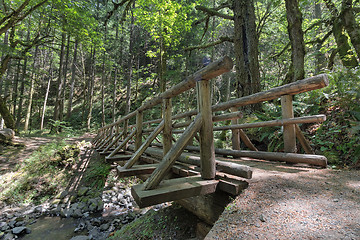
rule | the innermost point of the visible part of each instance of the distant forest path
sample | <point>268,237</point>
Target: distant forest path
<point>10,156</point>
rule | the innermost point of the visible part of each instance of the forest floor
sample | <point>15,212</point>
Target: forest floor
<point>282,202</point>
<point>163,221</point>
<point>293,202</point>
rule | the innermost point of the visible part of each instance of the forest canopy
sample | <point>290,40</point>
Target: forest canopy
<point>82,64</point>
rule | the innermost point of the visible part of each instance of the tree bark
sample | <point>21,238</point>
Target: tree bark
<point>347,56</point>
<point>351,25</point>
<point>296,36</point>
<point>319,56</point>
<point>22,89</point>
<point>91,89</point>
<point>73,77</point>
<point>50,76</point>
<point>65,70</point>
<point>246,48</point>
<point>31,93</point>
<point>59,82</point>
<point>6,115</point>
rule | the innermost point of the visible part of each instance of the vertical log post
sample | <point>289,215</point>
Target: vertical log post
<point>289,130</point>
<point>139,127</point>
<point>235,136</point>
<point>207,151</point>
<point>167,136</point>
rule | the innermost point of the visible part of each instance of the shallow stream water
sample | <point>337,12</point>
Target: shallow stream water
<point>54,228</point>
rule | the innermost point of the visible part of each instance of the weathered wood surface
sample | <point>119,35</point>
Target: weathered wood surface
<point>235,135</point>
<point>228,183</point>
<point>317,160</point>
<point>115,140</point>
<point>118,157</point>
<point>272,123</point>
<point>145,145</point>
<point>122,144</point>
<point>247,140</point>
<point>6,135</point>
<point>289,134</point>
<point>136,170</point>
<point>167,136</point>
<point>139,127</point>
<point>238,170</point>
<point>207,153</point>
<point>173,189</point>
<point>303,141</point>
<point>305,85</point>
<point>170,158</point>
<point>231,184</point>
<point>212,70</point>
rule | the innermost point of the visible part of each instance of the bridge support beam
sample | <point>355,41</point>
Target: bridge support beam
<point>207,152</point>
<point>289,130</point>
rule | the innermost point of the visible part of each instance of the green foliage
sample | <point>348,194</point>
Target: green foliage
<point>339,136</point>
<point>40,176</point>
<point>97,175</point>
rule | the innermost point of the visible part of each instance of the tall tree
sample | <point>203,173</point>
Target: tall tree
<point>296,36</point>
<point>246,48</point>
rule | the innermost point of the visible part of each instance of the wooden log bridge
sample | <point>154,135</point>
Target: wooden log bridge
<point>171,168</point>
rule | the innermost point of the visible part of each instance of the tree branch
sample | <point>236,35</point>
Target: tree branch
<point>320,40</point>
<point>213,12</point>
<point>282,51</point>
<point>116,6</point>
<point>221,40</point>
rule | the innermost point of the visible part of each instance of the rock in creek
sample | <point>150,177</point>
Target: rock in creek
<point>20,230</point>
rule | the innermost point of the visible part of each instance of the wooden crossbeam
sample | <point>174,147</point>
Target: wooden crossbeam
<point>122,144</point>
<point>105,152</point>
<point>173,189</point>
<point>170,158</point>
<point>136,170</point>
<point>145,145</point>
<point>118,157</point>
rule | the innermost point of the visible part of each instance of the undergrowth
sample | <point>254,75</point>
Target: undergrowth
<point>37,178</point>
<point>338,138</point>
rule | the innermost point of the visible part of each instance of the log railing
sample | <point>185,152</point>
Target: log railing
<point>116,136</point>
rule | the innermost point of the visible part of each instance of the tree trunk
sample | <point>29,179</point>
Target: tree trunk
<point>50,76</point>
<point>6,135</point>
<point>31,93</point>
<point>15,88</point>
<point>91,89</point>
<point>22,89</point>
<point>130,66</point>
<point>296,36</point>
<point>73,76</point>
<point>346,54</point>
<point>246,48</point>
<point>59,82</point>
<point>6,115</point>
<point>103,83</point>
<point>351,25</point>
<point>65,70</point>
<point>319,57</point>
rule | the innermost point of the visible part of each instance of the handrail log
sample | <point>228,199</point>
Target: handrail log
<point>212,70</point>
<point>305,85</point>
<point>279,122</point>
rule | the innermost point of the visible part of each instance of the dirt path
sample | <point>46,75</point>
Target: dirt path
<point>288,202</point>
<point>12,155</point>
